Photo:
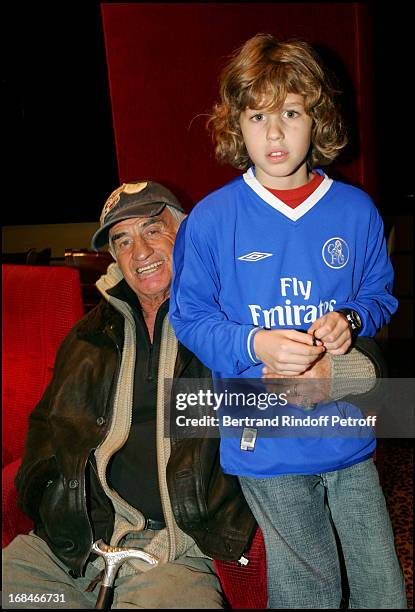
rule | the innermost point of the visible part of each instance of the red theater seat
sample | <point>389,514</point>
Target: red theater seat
<point>40,305</point>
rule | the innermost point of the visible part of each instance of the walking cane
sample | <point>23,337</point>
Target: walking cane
<point>114,557</point>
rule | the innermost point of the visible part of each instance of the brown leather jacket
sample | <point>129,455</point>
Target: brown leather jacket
<point>57,483</point>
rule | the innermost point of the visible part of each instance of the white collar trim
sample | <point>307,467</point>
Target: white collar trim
<point>292,213</point>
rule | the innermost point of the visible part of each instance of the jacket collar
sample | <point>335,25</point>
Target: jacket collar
<point>105,319</point>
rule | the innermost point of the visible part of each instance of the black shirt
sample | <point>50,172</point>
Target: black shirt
<point>132,471</point>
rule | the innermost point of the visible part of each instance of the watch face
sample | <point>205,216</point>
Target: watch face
<point>355,320</point>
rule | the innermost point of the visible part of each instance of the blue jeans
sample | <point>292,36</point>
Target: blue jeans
<point>299,514</point>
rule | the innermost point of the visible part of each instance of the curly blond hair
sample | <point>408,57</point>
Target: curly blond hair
<point>259,75</point>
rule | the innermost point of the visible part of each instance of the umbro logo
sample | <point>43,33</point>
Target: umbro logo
<point>255,256</point>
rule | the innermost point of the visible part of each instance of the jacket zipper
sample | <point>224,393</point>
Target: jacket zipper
<point>91,463</point>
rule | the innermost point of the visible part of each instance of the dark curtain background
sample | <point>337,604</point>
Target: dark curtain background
<point>60,153</point>
<point>59,156</point>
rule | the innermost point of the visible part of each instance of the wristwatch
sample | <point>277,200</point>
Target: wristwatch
<point>354,321</point>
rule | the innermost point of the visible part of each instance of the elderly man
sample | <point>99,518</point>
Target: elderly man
<point>96,452</point>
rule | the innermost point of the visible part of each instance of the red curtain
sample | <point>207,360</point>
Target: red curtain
<point>164,62</point>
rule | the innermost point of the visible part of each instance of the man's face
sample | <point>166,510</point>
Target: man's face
<point>143,247</point>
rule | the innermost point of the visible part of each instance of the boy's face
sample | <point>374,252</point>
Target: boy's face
<point>278,142</point>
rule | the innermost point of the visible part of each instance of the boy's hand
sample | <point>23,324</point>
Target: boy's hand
<point>286,352</point>
<point>334,331</point>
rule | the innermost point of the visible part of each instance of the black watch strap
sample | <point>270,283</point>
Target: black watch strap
<point>353,319</point>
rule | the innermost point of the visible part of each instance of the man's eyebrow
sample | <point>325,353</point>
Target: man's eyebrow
<point>115,237</point>
<point>152,221</point>
<point>120,234</point>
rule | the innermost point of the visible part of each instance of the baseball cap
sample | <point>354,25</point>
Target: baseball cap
<point>141,199</point>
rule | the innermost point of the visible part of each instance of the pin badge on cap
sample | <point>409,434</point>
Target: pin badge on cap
<point>114,198</point>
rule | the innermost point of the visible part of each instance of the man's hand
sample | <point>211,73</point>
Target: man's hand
<point>310,387</point>
<point>286,352</point>
<point>334,331</point>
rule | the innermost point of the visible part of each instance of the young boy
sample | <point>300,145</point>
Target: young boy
<point>277,252</point>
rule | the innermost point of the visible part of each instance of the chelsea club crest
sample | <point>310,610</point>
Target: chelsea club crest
<point>336,252</point>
